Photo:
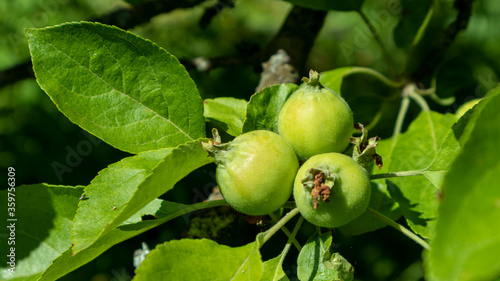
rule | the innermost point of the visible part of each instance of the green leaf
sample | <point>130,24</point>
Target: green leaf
<point>365,105</point>
<point>125,187</point>
<point>45,231</point>
<point>466,244</point>
<point>451,146</point>
<point>163,210</point>
<point>416,149</point>
<point>432,175</point>
<point>333,78</point>
<point>227,113</point>
<point>315,262</point>
<point>120,87</point>
<point>380,199</point>
<point>204,259</point>
<point>273,270</point>
<point>264,107</point>
<point>348,5</point>
<point>44,214</point>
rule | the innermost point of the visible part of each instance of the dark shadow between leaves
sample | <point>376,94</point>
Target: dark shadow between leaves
<point>459,127</point>
<point>167,211</point>
<point>317,258</point>
<point>42,212</point>
<point>406,206</point>
<point>35,216</point>
<point>380,201</point>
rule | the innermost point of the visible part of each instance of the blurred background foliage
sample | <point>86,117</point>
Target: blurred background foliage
<point>38,140</point>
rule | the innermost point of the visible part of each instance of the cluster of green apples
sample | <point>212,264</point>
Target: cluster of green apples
<point>258,171</point>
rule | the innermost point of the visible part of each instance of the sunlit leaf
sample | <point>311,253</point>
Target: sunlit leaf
<point>125,187</point>
<point>264,107</point>
<point>163,210</point>
<point>227,113</point>
<point>347,5</point>
<point>273,270</point>
<point>416,150</point>
<point>316,262</point>
<point>44,215</point>
<point>120,87</point>
<point>466,244</point>
<point>204,259</point>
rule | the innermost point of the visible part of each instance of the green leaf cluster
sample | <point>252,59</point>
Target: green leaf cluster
<point>439,175</point>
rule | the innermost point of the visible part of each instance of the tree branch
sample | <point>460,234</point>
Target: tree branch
<point>124,18</point>
<point>296,37</point>
<point>16,73</point>
<point>213,11</point>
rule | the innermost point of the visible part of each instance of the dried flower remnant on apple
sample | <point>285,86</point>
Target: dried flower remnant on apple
<point>348,184</point>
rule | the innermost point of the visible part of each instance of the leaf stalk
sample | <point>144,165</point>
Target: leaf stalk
<point>399,228</point>
<point>397,174</point>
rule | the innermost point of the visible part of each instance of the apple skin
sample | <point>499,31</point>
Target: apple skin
<point>349,195</point>
<point>315,120</point>
<point>255,172</point>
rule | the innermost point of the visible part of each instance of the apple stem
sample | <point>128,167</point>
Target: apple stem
<point>403,109</point>
<point>399,227</point>
<point>271,231</point>
<point>286,231</point>
<point>313,79</point>
<point>291,239</point>
<point>397,174</point>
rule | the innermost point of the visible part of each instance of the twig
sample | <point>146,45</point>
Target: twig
<point>127,18</point>
<point>397,174</point>
<point>296,38</point>
<point>213,11</point>
<point>435,54</point>
<point>385,53</point>
<point>277,70</point>
<point>124,18</point>
<point>399,227</point>
<point>287,232</point>
<point>405,103</point>
<point>16,73</point>
<point>270,232</point>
